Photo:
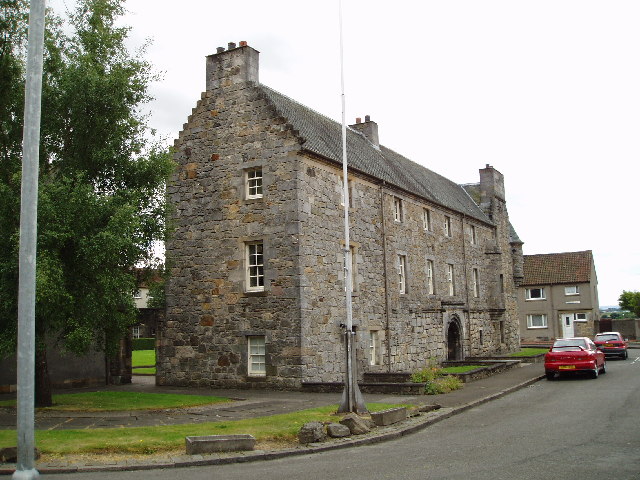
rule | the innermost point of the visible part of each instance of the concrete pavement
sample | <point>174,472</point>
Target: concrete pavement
<point>255,403</point>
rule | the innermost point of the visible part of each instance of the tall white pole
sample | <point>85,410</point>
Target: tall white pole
<point>25,468</point>
<point>351,399</point>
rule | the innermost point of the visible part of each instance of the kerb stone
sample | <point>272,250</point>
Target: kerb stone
<point>219,443</point>
<point>390,416</point>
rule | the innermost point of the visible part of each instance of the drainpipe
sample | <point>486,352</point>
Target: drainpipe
<point>386,278</point>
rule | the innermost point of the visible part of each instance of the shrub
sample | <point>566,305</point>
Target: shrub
<point>436,380</point>
<point>143,344</point>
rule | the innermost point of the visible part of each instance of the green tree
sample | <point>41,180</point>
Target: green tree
<point>630,301</point>
<point>101,199</point>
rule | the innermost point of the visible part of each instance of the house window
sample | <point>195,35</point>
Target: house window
<point>430,288</point>
<point>397,209</point>
<point>535,294</point>
<point>537,321</point>
<point>137,294</point>
<point>353,272</point>
<point>426,219</point>
<point>481,339</point>
<point>447,226</point>
<point>450,282</point>
<point>474,235</point>
<point>402,273</point>
<point>581,317</point>
<point>135,331</point>
<point>501,283</point>
<point>256,363</point>
<point>476,284</point>
<point>350,188</point>
<point>572,290</point>
<point>254,183</point>
<point>255,267</point>
<point>374,339</point>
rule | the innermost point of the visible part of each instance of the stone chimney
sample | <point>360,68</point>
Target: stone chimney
<point>236,64</point>
<point>369,129</point>
<point>491,185</point>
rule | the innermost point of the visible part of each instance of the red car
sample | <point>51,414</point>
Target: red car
<point>612,343</point>
<point>570,355</point>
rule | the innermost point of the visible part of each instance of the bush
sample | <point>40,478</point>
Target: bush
<point>143,344</point>
<point>436,380</point>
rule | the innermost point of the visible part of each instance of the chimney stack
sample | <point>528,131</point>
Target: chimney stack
<point>369,129</point>
<point>235,65</point>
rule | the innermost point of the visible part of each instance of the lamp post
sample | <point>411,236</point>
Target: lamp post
<point>25,468</point>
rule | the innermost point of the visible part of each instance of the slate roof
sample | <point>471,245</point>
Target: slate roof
<point>323,136</point>
<point>557,268</point>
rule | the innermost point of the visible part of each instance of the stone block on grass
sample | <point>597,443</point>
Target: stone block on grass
<point>337,430</point>
<point>219,443</point>
<point>312,432</point>
<point>390,416</point>
<point>357,425</point>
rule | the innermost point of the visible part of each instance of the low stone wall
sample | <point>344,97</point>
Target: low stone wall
<point>489,368</point>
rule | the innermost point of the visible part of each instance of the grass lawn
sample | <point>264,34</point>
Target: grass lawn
<point>143,358</point>
<point>144,371</point>
<point>148,440</point>
<point>527,352</point>
<point>118,401</point>
<point>460,369</point>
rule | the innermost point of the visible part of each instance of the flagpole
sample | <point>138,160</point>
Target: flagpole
<point>352,400</point>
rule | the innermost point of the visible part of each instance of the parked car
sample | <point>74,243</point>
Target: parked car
<point>571,355</point>
<point>612,343</point>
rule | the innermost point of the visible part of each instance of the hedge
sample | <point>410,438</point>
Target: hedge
<point>143,344</point>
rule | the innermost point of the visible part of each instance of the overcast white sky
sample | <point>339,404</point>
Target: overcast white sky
<point>546,91</point>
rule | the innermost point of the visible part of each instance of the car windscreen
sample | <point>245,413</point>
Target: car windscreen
<point>606,338</point>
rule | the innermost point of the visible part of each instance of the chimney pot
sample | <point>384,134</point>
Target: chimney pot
<point>358,120</point>
<point>367,118</point>
<point>243,43</point>
<point>231,46</point>
<point>219,49</point>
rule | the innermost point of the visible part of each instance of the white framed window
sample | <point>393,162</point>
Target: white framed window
<point>572,290</point>
<point>537,320</point>
<point>581,317</point>
<point>135,331</point>
<point>350,189</point>
<point>430,284</point>
<point>447,225</point>
<point>535,294</point>
<point>137,294</point>
<point>474,235</point>
<point>353,271</point>
<point>256,356</point>
<point>402,273</point>
<point>450,280</point>
<point>476,284</point>
<point>374,340</point>
<point>397,209</point>
<point>253,182</point>
<point>255,267</point>
<point>426,219</point>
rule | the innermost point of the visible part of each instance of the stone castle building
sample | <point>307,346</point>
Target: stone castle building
<point>257,294</point>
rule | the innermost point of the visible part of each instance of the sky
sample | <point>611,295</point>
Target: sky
<point>545,91</point>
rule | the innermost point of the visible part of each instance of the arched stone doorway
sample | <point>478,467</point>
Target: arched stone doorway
<point>454,341</point>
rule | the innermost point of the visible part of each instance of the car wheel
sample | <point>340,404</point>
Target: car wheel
<point>626,355</point>
<point>595,372</point>
<point>550,375</point>
<point>604,368</point>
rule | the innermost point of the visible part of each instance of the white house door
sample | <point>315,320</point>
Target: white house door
<point>567,325</point>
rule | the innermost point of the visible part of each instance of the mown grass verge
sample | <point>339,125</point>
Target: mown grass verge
<point>150,440</point>
<point>119,401</point>
<point>528,352</point>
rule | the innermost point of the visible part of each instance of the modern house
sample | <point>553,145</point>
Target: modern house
<point>558,296</point>
<point>256,295</point>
